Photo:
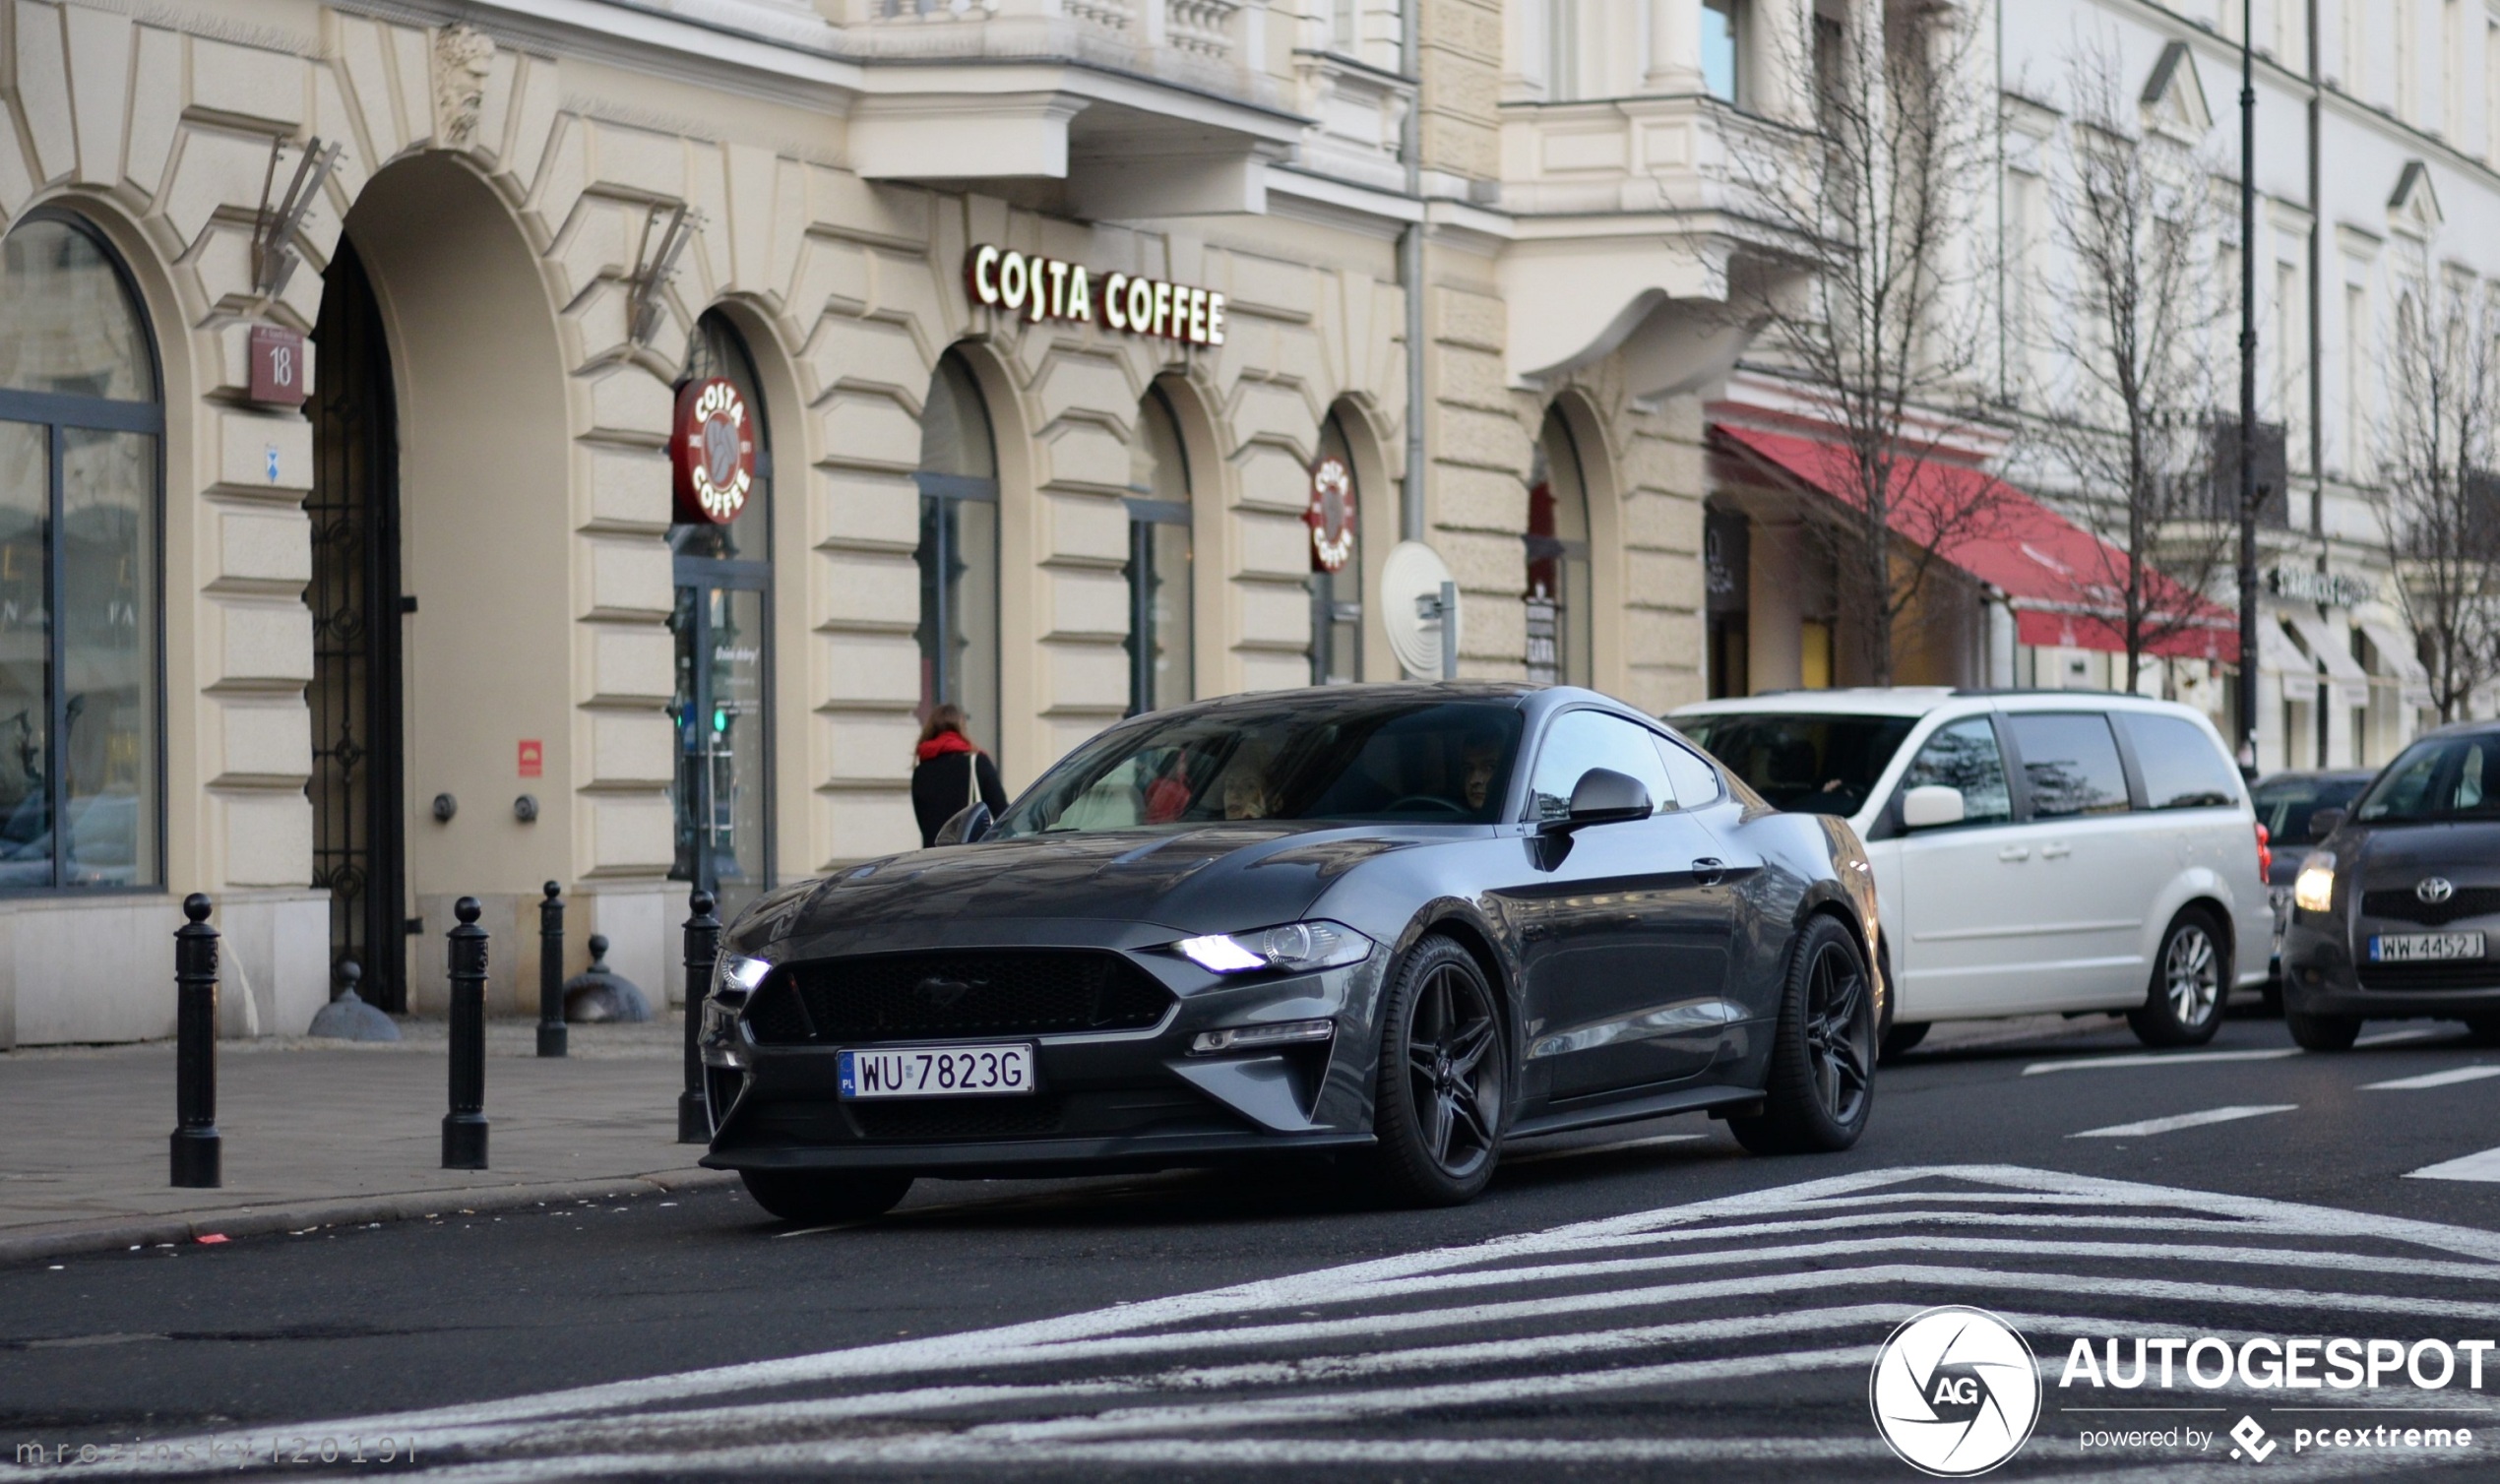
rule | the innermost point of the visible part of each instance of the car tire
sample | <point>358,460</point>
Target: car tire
<point>2183,1003</point>
<point>1443,1090</point>
<point>1822,1087</point>
<point>2322,1032</point>
<point>2485,1029</point>
<point>810,1197</point>
<point>1899,1040</point>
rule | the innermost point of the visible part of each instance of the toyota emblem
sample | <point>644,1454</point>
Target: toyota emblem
<point>2435,889</point>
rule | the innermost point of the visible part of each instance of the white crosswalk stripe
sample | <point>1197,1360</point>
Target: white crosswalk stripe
<point>2484,1166</point>
<point>1735,1332</point>
<point>2178,1120</point>
<point>2448,1079</point>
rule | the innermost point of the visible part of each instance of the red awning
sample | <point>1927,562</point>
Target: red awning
<point>2065,585</point>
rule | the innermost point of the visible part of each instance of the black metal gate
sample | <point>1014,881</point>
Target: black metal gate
<point>358,849</point>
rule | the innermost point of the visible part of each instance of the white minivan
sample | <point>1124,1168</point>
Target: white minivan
<point>2035,852</point>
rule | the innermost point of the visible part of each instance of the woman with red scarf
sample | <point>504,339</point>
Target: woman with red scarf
<point>949,768</point>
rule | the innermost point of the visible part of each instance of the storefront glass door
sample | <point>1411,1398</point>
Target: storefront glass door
<point>719,713</point>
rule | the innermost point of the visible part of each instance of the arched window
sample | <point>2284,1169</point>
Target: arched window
<point>80,473</point>
<point>1159,568</point>
<point>1558,607</point>
<point>1336,598</point>
<point>722,627</point>
<point>959,551</point>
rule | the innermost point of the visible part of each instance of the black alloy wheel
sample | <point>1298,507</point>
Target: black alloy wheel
<point>1821,1084</point>
<point>2190,981</point>
<point>811,1197</point>
<point>1443,1087</point>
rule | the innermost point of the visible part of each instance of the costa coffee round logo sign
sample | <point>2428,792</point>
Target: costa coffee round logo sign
<point>1332,514</point>
<point>713,452</point>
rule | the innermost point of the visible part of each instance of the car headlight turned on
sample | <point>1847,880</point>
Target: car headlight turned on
<point>2313,889</point>
<point>1259,1037</point>
<point>1294,946</point>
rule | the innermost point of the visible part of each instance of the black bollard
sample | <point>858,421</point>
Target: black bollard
<point>703,950</point>
<point>464,1126</point>
<point>552,972</point>
<point>198,1162</point>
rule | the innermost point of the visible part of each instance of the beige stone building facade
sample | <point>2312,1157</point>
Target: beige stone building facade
<point>424,622</point>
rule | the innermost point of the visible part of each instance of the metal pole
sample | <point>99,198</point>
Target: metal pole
<point>198,1162</point>
<point>2247,390</point>
<point>703,951</point>
<point>552,972</point>
<point>1411,514</point>
<point>464,1126</point>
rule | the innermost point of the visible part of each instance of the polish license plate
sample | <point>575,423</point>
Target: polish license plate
<point>938,1072</point>
<point>2414,948</point>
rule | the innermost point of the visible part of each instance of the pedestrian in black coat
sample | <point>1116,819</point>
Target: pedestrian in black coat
<point>947,769</point>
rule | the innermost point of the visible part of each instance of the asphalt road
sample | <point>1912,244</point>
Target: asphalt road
<point>1634,1302</point>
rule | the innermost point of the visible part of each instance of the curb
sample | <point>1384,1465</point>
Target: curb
<point>262,1221</point>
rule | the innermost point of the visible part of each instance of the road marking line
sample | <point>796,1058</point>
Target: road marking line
<point>2185,1121</point>
<point>2447,1078</point>
<point>1599,1148</point>
<point>2386,1037</point>
<point>2484,1167</point>
<point>2159,1059</point>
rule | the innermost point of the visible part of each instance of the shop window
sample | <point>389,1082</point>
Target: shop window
<point>722,793</point>
<point>1559,611</point>
<point>80,476</point>
<point>1336,598</point>
<point>959,551</point>
<point>1160,589</point>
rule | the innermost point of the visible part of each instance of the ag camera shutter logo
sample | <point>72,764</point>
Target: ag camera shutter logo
<point>1956,1391</point>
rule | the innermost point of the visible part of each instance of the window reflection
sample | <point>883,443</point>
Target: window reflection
<point>1964,756</point>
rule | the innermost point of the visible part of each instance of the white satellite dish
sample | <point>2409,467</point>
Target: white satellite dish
<point>1412,584</point>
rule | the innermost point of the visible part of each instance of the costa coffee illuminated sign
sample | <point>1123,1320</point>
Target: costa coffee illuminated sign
<point>1332,514</point>
<point>1046,288</point>
<point>712,451</point>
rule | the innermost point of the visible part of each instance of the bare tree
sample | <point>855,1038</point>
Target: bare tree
<point>1878,322</point>
<point>2132,391</point>
<point>2436,497</point>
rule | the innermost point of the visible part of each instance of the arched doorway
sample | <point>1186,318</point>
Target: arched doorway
<point>722,793</point>
<point>360,852</point>
<point>1160,565</point>
<point>959,552</point>
<point>1560,610</point>
<point>82,425</point>
<point>1336,598</point>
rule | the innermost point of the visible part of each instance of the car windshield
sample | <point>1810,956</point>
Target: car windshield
<point>2438,779</point>
<point>1441,763</point>
<point>2285,805</point>
<point>1806,763</point>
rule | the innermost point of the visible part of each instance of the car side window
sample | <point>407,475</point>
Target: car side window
<point>1964,755</point>
<point>2182,767</point>
<point>1696,782</point>
<point>2071,763</point>
<point>1578,741</point>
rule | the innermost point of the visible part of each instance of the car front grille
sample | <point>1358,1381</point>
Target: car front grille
<point>955,996</point>
<point>2401,905</point>
<point>2408,978</point>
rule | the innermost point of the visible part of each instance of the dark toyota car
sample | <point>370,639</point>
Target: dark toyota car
<point>2291,805</point>
<point>2395,912</point>
<point>1392,925</point>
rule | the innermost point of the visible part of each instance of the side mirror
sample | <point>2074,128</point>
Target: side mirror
<point>1603,796</point>
<point>969,824</point>
<point>1929,805</point>
<point>2324,823</point>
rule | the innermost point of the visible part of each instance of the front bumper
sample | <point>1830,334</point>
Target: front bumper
<point>2320,977</point>
<point>1102,1101</point>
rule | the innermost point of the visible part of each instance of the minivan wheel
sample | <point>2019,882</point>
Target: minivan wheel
<point>2322,1032</point>
<point>1822,1084</point>
<point>1443,1087</point>
<point>2183,1005</point>
<point>808,1196</point>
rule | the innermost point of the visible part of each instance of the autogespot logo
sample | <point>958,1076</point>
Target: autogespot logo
<point>1956,1391</point>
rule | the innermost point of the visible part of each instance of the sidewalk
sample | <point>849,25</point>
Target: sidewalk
<point>321,1132</point>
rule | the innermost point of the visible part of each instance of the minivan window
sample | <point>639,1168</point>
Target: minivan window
<point>1964,756</point>
<point>2439,779</point>
<point>2183,768</point>
<point>1805,764</point>
<point>2071,763</point>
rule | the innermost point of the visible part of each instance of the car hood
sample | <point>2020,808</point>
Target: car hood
<point>1211,878</point>
<point>2398,855</point>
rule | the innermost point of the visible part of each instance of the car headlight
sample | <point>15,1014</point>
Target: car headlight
<point>2313,889</point>
<point>737,977</point>
<point>1296,947</point>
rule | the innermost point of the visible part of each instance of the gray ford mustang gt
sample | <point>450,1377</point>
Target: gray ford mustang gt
<point>1392,924</point>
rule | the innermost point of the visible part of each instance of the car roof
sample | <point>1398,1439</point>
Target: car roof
<point>1919,700</point>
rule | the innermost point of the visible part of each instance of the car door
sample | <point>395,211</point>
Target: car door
<point>1965,889</point>
<point>1626,926</point>
<point>2098,872</point>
